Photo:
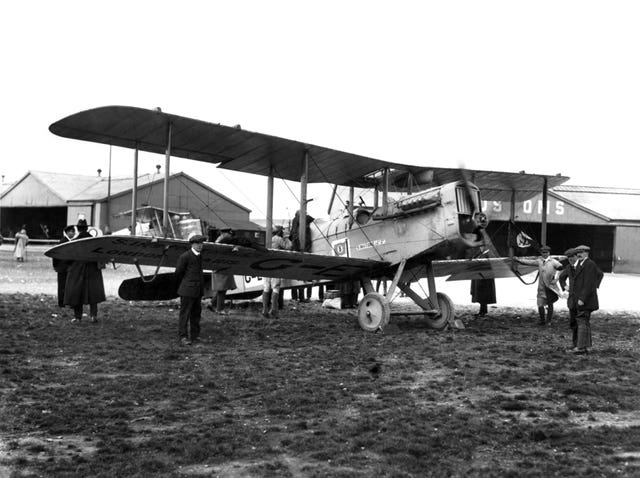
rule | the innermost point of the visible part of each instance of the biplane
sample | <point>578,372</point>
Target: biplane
<point>423,222</point>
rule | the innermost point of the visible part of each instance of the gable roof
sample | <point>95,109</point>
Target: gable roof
<point>74,187</point>
<point>99,190</point>
<point>120,186</point>
<point>615,204</point>
<point>64,186</point>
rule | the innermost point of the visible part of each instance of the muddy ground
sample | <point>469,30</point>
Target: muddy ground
<point>309,394</point>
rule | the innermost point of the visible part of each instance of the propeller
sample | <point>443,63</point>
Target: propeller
<point>478,218</point>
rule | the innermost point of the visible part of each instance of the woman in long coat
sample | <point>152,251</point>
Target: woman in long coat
<point>20,251</point>
<point>483,291</point>
<point>84,283</point>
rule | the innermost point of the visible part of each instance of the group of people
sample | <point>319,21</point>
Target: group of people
<point>577,281</point>
<point>79,282</point>
<point>190,283</point>
<point>581,280</point>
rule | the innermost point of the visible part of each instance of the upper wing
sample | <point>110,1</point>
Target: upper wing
<point>240,150</point>
<point>236,260</point>
<point>485,268</point>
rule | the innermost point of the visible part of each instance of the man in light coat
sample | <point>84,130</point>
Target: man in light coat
<point>548,289</point>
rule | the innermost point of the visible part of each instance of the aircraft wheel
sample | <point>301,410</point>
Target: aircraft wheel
<point>446,315</point>
<point>373,312</point>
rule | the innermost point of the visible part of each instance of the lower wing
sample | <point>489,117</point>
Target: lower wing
<point>223,258</point>
<point>485,268</point>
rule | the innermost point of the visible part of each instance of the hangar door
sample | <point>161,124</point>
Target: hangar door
<point>41,222</point>
<point>560,237</point>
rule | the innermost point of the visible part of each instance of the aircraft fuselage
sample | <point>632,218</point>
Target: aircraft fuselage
<point>433,224</point>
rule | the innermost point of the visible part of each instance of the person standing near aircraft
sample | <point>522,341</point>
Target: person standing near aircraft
<point>568,275</point>
<point>587,279</point>
<point>188,275</point>
<point>483,291</point>
<point>271,291</point>
<point>61,266</point>
<point>548,291</point>
<point>295,233</point>
<point>20,248</point>
<point>84,284</point>
<point>222,282</point>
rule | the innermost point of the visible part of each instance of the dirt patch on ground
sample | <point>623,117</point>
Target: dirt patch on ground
<point>311,394</point>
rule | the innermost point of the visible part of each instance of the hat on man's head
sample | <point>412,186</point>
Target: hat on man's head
<point>545,249</point>
<point>582,249</point>
<point>198,238</point>
<point>570,252</point>
<point>225,229</point>
<point>82,224</point>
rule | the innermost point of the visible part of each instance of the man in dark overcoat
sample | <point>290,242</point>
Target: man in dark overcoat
<point>84,284</point>
<point>568,275</point>
<point>586,281</point>
<point>62,266</point>
<point>188,275</point>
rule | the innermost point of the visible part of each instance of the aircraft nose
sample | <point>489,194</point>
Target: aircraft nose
<point>481,220</point>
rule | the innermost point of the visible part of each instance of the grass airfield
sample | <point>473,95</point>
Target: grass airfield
<point>309,394</point>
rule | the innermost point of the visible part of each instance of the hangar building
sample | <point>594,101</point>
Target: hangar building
<point>46,202</point>
<point>606,219</point>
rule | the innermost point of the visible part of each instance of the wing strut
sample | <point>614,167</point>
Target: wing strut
<point>543,230</point>
<point>269,232</point>
<point>165,199</point>
<point>302,229</point>
<point>134,193</point>
<point>512,219</point>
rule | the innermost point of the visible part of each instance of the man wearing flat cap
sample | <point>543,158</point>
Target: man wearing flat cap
<point>548,290</point>
<point>587,278</point>
<point>568,274</point>
<point>188,276</point>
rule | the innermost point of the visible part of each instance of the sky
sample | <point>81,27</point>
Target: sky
<point>547,87</point>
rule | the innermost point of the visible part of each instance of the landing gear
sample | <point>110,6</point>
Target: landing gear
<point>373,312</point>
<point>445,315</point>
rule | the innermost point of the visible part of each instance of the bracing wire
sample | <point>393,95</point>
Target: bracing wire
<point>206,205</point>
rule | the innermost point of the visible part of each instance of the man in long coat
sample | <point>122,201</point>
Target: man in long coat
<point>568,275</point>
<point>84,284</point>
<point>586,281</point>
<point>188,275</point>
<point>62,266</point>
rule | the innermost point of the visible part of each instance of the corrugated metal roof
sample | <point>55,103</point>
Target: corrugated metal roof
<point>65,186</point>
<point>617,204</point>
<point>595,189</point>
<point>100,190</point>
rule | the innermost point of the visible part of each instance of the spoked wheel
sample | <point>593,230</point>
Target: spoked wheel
<point>446,315</point>
<point>373,312</point>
